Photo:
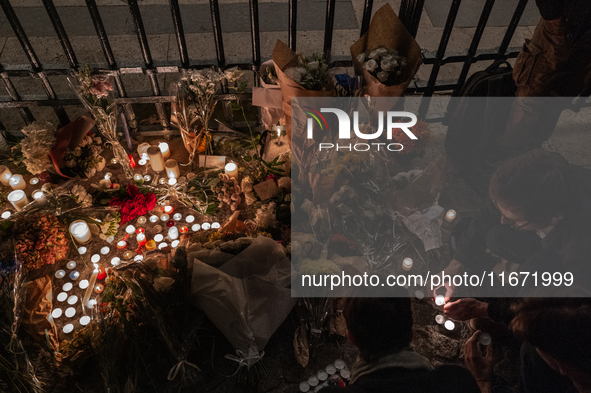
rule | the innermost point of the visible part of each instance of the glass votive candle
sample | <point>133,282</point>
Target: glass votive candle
<point>105,250</point>
<point>177,216</point>
<point>141,220</point>
<point>450,216</point>
<point>196,227</point>
<point>158,238</point>
<point>102,274</point>
<point>60,274</point>
<point>164,217</point>
<point>95,258</point>
<point>130,229</point>
<point>168,209</point>
<point>153,219</point>
<point>71,265</point>
<point>74,275</point>
<point>5,175</point>
<point>80,231</point>
<point>121,244</point>
<point>18,199</point>
<point>138,179</point>
<point>162,181</point>
<point>150,245</point>
<point>115,261</point>
<point>190,218</point>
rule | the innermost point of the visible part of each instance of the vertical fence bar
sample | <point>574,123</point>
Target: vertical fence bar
<point>254,30</point>
<point>474,45</point>
<point>367,6</point>
<point>447,30</point>
<point>293,24</point>
<point>61,33</point>
<point>14,96</point>
<point>33,60</point>
<point>150,69</point>
<point>329,27</point>
<point>410,14</point>
<point>217,32</point>
<point>511,28</point>
<point>179,32</point>
<point>108,53</point>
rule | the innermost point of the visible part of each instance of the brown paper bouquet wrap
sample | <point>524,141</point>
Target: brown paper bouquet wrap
<point>386,30</point>
<point>284,57</point>
<point>36,316</point>
<point>69,137</point>
<point>269,98</point>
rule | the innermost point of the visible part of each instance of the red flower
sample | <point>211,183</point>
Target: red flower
<point>272,176</point>
<point>135,204</point>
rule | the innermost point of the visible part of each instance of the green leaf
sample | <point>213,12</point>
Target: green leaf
<point>247,158</point>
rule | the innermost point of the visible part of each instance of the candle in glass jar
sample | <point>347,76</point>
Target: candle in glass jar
<point>172,181</point>
<point>138,179</point>
<point>18,199</point>
<point>172,169</point>
<point>450,215</point>
<point>232,170</point>
<point>141,220</point>
<point>5,175</point>
<point>17,182</point>
<point>164,149</point>
<point>80,231</point>
<point>156,158</point>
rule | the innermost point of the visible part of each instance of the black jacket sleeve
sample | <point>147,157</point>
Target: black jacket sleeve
<point>472,244</point>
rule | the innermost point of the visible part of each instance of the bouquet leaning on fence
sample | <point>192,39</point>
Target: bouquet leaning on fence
<point>93,91</point>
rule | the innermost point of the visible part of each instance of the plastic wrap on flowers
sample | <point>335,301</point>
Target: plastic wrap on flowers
<point>268,97</point>
<point>248,297</point>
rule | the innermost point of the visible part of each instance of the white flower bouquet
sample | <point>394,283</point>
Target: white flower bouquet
<point>36,145</point>
<point>384,64</point>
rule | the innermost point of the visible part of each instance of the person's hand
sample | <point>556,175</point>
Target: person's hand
<point>454,268</point>
<point>480,366</point>
<point>464,309</point>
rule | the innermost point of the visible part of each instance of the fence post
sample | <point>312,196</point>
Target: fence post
<point>410,14</point>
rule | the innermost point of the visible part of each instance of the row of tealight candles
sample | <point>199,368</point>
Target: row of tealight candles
<point>18,197</point>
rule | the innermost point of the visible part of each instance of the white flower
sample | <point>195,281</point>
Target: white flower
<point>370,65</point>
<point>361,57</point>
<point>313,66</point>
<point>374,54</point>
<point>387,57</point>
<point>87,201</point>
<point>293,74</point>
<point>382,51</point>
<point>233,74</point>
<point>386,65</point>
<point>382,76</point>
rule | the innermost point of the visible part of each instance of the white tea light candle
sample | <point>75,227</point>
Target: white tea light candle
<point>175,243</point>
<point>34,180</point>
<point>71,311</point>
<point>67,286</point>
<point>450,215</point>
<point>115,261</point>
<point>215,225</point>
<point>177,216</point>
<point>153,219</point>
<point>6,214</point>
<point>81,250</point>
<point>162,245</point>
<point>158,238</point>
<point>105,250</point>
<point>172,169</point>
<point>68,328</point>
<point>38,195</point>
<point>5,175</point>
<point>62,296</point>
<point>164,149</point>
<point>190,219</point>
<point>407,264</point>
<point>440,319</point>
<point>80,231</point>
<point>83,284</point>
<point>18,199</point>
<point>205,226</point>
<point>172,181</point>
<point>138,179</point>
<point>72,300</point>
<point>173,233</point>
<point>449,325</point>
<point>85,320</point>
<point>440,300</point>
<point>130,229</point>
<point>231,170</point>
<point>196,227</point>
<point>17,182</point>
<point>95,258</point>
<point>56,313</point>
<point>164,217</point>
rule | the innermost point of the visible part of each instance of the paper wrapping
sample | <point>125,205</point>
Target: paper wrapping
<point>284,57</point>
<point>385,29</point>
<point>269,98</point>
<point>69,137</point>
<point>248,297</point>
<point>37,311</point>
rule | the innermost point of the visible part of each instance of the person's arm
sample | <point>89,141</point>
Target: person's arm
<point>480,366</point>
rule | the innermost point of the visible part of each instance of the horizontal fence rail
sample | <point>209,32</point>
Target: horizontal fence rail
<point>410,14</point>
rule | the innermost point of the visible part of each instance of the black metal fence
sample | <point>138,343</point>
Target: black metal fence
<point>410,14</point>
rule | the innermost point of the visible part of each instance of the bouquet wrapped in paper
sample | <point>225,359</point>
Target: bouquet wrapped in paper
<point>399,56</point>
<point>268,96</point>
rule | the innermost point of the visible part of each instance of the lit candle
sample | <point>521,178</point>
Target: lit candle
<point>215,225</point>
<point>102,274</point>
<point>95,258</point>
<point>407,264</point>
<point>177,216</point>
<point>108,176</point>
<point>168,209</point>
<point>121,244</point>
<point>6,214</point>
<point>170,223</point>
<point>141,220</point>
<point>99,288</point>
<point>184,229</point>
<point>205,226</point>
<point>156,158</point>
<point>190,219</point>
<point>175,243</point>
<point>172,169</point>
<point>105,250</point>
<point>449,325</point>
<point>164,217</point>
<point>440,300</point>
<point>142,162</point>
<point>162,181</point>
<point>164,149</point>
<point>91,283</point>
<point>5,175</point>
<point>71,265</point>
<point>115,261</point>
<point>440,319</point>
<point>142,150</point>
<point>232,170</point>
<point>80,231</point>
<point>450,215</point>
<point>147,177</point>
<point>173,233</point>
<point>34,181</point>
<point>38,195</point>
<point>130,229</point>
<point>138,179</point>
<point>17,182</point>
<point>114,161</point>
<point>141,239</point>
<point>18,199</point>
<point>484,338</point>
<point>172,181</point>
<point>60,274</point>
<point>127,254</point>
<point>196,227</point>
<point>151,245</point>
